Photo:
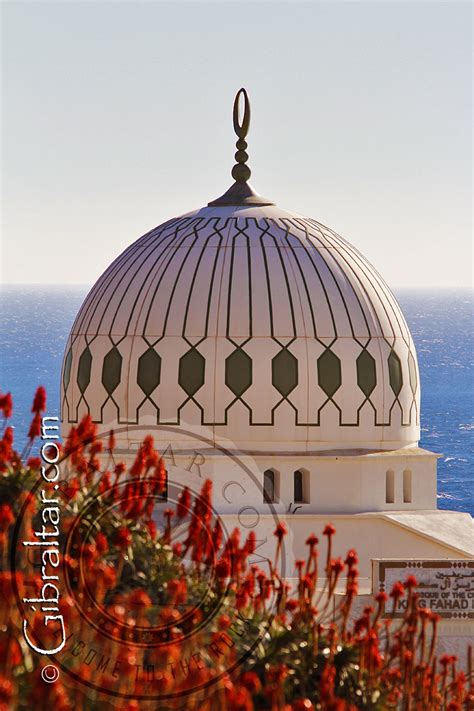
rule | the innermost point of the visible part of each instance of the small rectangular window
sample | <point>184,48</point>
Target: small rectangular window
<point>269,486</point>
<point>298,485</point>
<point>407,486</point>
<point>390,487</point>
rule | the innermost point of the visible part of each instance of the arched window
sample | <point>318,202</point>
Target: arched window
<point>407,486</point>
<point>269,486</point>
<point>298,487</point>
<point>390,487</point>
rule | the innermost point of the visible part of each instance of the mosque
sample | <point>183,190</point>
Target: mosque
<point>262,350</point>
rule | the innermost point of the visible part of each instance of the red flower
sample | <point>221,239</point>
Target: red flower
<point>149,507</point>
<point>123,537</point>
<point>305,705</point>
<point>6,405</point>
<point>177,590</point>
<point>238,699</point>
<point>8,436</point>
<point>251,543</point>
<point>278,673</point>
<point>251,682</point>
<point>119,469</point>
<point>224,622</point>
<point>72,488</point>
<point>105,483</point>
<point>351,558</point>
<point>35,427</point>
<point>329,530</point>
<point>292,605</point>
<point>159,478</point>
<point>352,589</point>
<point>6,517</point>
<point>223,568</point>
<point>398,590</point>
<point>86,430</point>
<point>39,401</point>
<point>312,540</point>
<point>138,466</point>
<point>241,599</point>
<point>177,547</point>
<point>34,463</point>
<point>184,503</point>
<point>7,453</point>
<point>6,692</point>
<point>280,531</point>
<point>337,566</point>
<point>151,526</point>
<point>411,582</point>
<point>140,598</point>
<point>101,543</point>
<point>447,659</point>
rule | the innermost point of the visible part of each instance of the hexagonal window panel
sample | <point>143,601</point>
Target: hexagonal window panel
<point>67,369</point>
<point>191,372</point>
<point>412,373</point>
<point>112,370</point>
<point>84,370</point>
<point>238,372</point>
<point>329,372</point>
<point>366,375</point>
<point>149,371</point>
<point>284,372</point>
<point>395,373</point>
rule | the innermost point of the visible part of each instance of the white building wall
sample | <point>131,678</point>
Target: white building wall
<point>333,484</point>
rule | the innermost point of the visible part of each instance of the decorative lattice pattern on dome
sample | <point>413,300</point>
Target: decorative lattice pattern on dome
<point>112,370</point>
<point>395,371</point>
<point>212,311</point>
<point>149,371</point>
<point>84,370</point>
<point>192,367</point>
<point>238,372</point>
<point>329,373</point>
<point>366,373</point>
<point>285,372</point>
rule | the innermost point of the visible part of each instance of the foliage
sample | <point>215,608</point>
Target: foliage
<point>261,645</point>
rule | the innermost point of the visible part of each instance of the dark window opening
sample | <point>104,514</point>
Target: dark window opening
<point>269,486</point>
<point>298,495</point>
<point>390,487</point>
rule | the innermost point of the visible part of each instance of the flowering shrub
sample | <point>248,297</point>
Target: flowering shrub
<point>165,593</point>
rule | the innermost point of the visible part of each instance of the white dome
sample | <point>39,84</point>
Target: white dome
<point>251,324</point>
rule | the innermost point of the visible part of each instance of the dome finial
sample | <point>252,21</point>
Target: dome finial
<point>241,193</point>
<point>241,172</point>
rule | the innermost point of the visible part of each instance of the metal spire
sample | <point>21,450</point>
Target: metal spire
<point>241,193</point>
<point>241,172</point>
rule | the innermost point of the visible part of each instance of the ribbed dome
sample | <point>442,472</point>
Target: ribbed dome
<point>251,324</point>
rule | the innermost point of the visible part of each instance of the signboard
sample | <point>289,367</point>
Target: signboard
<point>445,586</point>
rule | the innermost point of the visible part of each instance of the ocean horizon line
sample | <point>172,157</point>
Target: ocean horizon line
<point>81,285</point>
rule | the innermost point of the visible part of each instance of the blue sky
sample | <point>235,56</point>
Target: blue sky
<point>117,116</point>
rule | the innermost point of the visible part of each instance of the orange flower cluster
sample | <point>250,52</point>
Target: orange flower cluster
<point>164,610</point>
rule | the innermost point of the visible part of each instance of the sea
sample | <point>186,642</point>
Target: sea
<point>35,322</point>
